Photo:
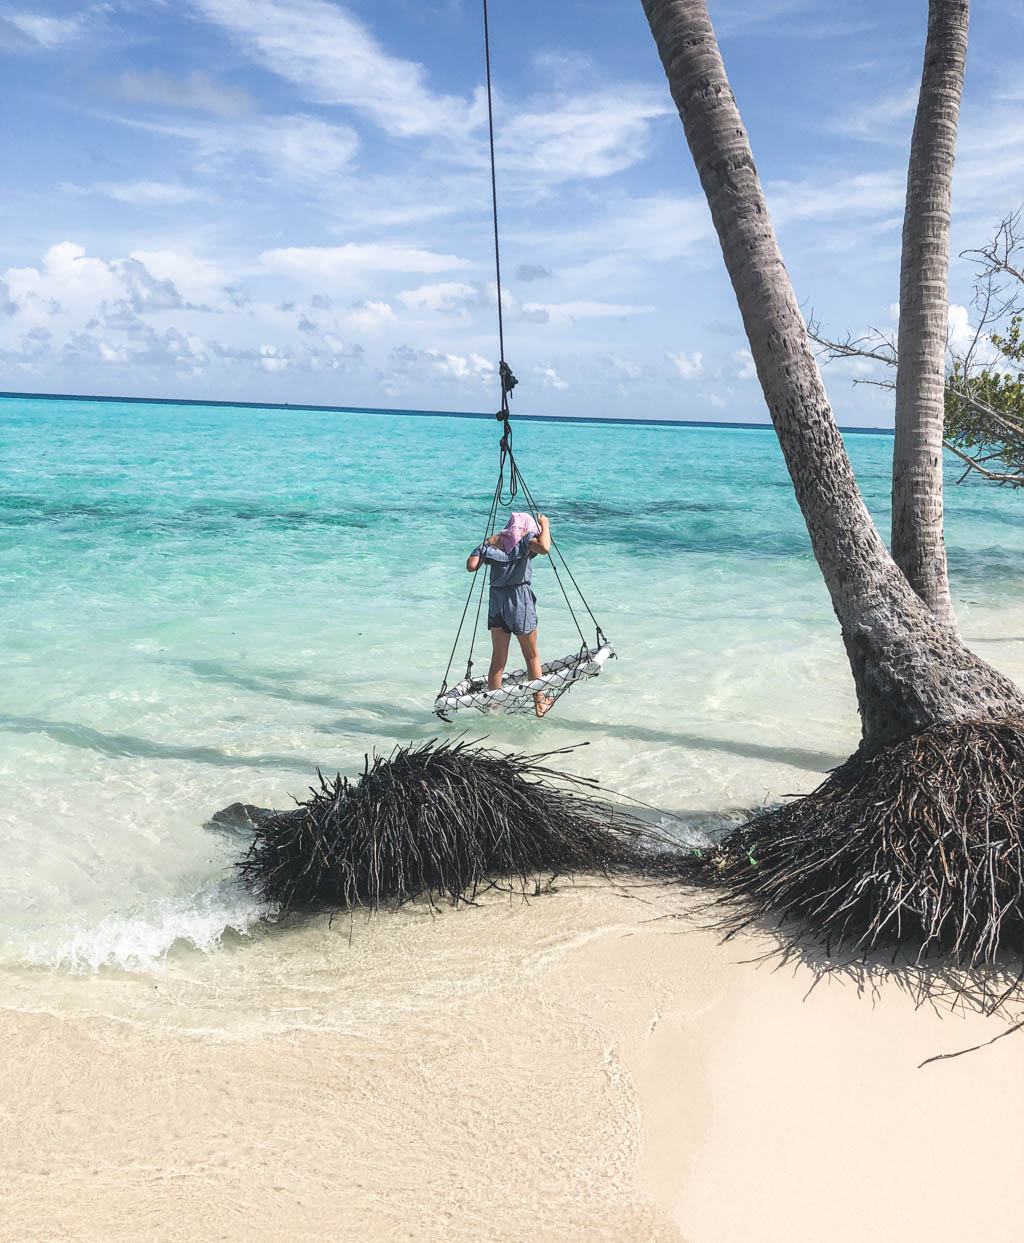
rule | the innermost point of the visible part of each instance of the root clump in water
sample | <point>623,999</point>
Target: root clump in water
<point>444,819</point>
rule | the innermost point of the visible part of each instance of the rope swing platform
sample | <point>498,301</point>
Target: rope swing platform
<point>516,694</point>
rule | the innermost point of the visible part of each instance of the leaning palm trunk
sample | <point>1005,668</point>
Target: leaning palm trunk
<point>910,669</point>
<point>913,676</point>
<point>918,545</point>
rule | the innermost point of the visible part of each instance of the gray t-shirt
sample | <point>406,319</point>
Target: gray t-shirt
<point>508,569</point>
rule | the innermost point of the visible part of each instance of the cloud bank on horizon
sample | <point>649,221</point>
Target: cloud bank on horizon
<point>288,200</point>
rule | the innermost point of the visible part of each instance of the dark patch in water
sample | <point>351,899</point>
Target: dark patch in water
<point>124,746</point>
<point>275,686</point>
<point>649,540</point>
<point>586,511</point>
<point>796,757</point>
<point>205,516</point>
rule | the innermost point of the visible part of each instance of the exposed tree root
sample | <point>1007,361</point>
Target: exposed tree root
<point>444,820</point>
<point>920,845</point>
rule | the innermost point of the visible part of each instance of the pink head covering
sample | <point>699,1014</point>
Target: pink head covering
<point>514,530</point>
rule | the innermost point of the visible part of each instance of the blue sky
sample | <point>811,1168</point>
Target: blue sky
<point>287,200</point>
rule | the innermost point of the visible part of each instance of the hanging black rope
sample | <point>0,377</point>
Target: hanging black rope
<point>565,565</point>
<point>566,671</point>
<point>505,376</point>
<point>488,531</point>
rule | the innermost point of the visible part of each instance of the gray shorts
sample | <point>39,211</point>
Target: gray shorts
<point>512,609</point>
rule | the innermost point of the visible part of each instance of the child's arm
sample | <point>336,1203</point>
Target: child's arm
<point>487,551</point>
<point>542,543</point>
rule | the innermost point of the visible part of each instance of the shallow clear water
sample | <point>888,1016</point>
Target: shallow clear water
<point>200,605</point>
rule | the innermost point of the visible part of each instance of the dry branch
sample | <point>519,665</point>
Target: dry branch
<point>878,348</point>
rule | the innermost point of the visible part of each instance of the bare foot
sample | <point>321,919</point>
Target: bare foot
<point>542,704</point>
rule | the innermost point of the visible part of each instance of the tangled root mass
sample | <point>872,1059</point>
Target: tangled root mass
<point>442,819</point>
<point>921,844</point>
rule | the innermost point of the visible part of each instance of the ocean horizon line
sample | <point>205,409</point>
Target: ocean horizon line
<point>402,412</point>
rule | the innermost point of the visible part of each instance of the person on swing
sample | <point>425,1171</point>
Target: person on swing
<point>512,607</point>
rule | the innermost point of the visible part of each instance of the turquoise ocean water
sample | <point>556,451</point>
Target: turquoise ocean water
<point>201,604</point>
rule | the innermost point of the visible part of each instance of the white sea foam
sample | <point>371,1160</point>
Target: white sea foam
<point>141,941</point>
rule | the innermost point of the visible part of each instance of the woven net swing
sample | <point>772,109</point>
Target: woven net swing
<point>516,694</point>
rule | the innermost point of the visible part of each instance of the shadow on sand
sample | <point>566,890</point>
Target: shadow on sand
<point>996,992</point>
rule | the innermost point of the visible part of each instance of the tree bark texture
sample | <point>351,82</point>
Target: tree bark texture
<point>918,545</point>
<point>910,669</point>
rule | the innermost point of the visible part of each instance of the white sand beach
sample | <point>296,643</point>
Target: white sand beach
<point>590,1065</point>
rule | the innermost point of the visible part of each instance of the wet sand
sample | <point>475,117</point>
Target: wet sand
<point>590,1065</point>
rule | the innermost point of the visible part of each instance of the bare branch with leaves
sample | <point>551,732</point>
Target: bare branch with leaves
<point>984,388</point>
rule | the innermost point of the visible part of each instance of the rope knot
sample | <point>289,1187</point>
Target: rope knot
<point>508,380</point>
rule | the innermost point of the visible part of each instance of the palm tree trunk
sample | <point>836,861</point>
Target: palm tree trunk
<point>918,545</point>
<point>910,669</point>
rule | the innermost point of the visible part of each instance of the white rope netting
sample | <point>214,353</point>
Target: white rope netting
<point>517,689</point>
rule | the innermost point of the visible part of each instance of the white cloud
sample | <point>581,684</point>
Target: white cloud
<point>45,31</point>
<point>472,369</point>
<point>143,193</point>
<point>663,226</point>
<point>571,312</point>
<point>84,290</point>
<point>66,273</point>
<point>960,337</point>
<point>689,366</point>
<point>738,15</point>
<point>195,91</point>
<point>444,298</point>
<point>790,19</point>
<point>652,228</point>
<point>562,66</point>
<point>550,378</point>
<point>271,359</point>
<point>301,147</point>
<point>305,145</point>
<point>340,263</point>
<point>333,58</point>
<point>1011,87</point>
<point>622,371</point>
<point>82,312</point>
<point>959,333</point>
<point>80,308</point>
<point>339,352</point>
<point>843,195</point>
<point>878,119</point>
<point>743,364</point>
<point>370,315</point>
<point>989,165</point>
<point>200,280</point>
<point>408,366</point>
<point>583,136</point>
